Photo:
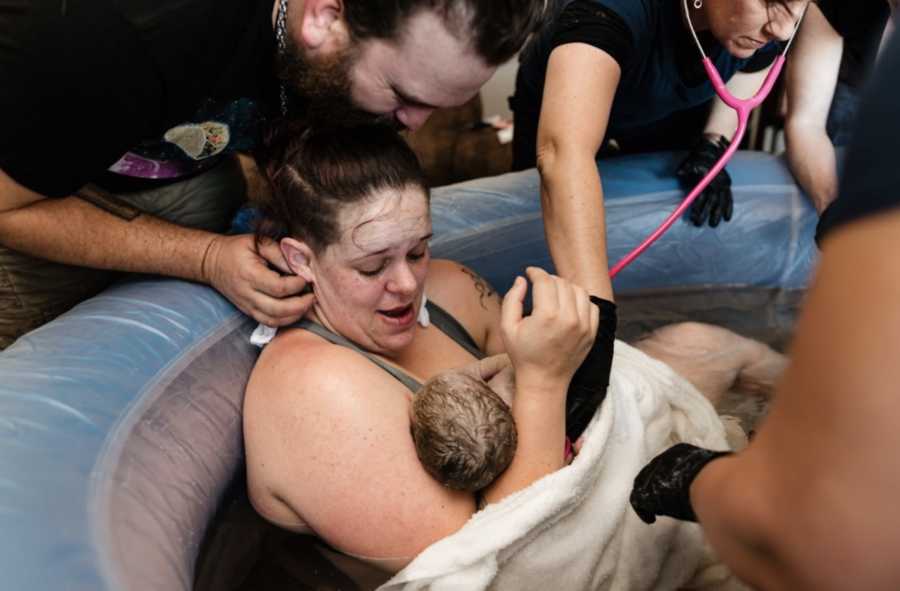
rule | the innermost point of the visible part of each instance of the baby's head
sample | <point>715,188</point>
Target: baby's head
<point>464,433</point>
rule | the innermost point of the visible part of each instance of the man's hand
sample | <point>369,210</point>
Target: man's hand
<point>663,487</point>
<point>234,268</point>
<point>715,203</point>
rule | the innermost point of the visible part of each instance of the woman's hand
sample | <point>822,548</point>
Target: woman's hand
<point>548,346</point>
<point>545,349</point>
<point>487,368</point>
<point>497,371</point>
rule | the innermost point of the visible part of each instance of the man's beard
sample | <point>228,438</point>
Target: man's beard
<point>319,90</point>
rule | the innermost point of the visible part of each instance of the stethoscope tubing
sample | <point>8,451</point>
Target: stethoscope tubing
<point>743,108</point>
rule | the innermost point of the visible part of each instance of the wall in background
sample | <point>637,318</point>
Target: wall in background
<point>498,89</point>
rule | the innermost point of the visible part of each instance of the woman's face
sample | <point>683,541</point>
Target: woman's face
<point>369,283</point>
<point>743,26</point>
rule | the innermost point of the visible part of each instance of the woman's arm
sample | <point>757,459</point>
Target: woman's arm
<point>812,73</point>
<point>327,435</point>
<point>545,348</point>
<point>578,94</point>
<point>722,119</point>
<point>811,503</point>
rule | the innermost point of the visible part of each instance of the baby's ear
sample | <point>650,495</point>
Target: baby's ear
<point>298,255</point>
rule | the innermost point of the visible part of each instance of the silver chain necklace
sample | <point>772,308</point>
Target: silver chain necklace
<point>281,38</point>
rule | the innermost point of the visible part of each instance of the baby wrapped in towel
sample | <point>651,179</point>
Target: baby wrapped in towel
<point>574,529</point>
<point>464,431</point>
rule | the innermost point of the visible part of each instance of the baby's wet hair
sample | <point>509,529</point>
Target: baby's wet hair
<point>464,433</point>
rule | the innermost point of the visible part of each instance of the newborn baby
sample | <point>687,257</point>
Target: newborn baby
<point>464,432</point>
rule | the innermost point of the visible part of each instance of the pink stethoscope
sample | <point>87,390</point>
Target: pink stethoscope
<point>743,107</point>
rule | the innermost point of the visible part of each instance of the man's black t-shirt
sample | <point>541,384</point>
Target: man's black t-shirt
<point>860,23</point>
<point>87,81</point>
<point>871,180</point>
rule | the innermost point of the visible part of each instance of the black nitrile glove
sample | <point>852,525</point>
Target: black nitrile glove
<point>663,486</point>
<point>715,202</point>
<point>588,386</point>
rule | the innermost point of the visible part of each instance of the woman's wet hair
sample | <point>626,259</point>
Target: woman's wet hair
<point>314,171</point>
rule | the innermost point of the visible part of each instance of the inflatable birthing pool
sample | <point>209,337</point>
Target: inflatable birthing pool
<point>120,427</point>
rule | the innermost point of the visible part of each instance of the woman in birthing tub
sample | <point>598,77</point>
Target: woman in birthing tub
<point>327,410</point>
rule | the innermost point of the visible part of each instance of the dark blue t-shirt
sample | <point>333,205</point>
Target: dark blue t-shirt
<point>662,74</point>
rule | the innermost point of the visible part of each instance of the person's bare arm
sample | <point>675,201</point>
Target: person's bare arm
<point>546,349</point>
<point>722,119</point>
<point>578,94</point>
<point>327,434</point>
<point>812,73</point>
<point>72,231</point>
<point>812,503</point>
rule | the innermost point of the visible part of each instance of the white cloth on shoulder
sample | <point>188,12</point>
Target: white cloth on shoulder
<point>263,334</point>
<point>575,529</point>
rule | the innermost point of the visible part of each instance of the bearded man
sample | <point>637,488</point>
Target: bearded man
<point>121,121</point>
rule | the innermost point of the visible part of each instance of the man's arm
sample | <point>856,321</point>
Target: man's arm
<point>580,86</point>
<point>812,73</point>
<point>72,231</point>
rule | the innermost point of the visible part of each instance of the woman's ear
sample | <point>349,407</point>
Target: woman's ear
<point>298,255</point>
<point>323,25</point>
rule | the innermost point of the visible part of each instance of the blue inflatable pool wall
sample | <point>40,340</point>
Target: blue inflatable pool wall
<point>120,421</point>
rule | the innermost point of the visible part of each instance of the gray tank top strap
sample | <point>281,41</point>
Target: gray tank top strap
<point>439,317</point>
<point>451,327</point>
<point>403,377</point>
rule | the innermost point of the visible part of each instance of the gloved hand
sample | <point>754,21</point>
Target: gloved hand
<point>663,486</point>
<point>715,202</point>
<point>588,386</point>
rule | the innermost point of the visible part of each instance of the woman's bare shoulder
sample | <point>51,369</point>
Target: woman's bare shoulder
<point>466,296</point>
<point>300,368</point>
<point>448,280</point>
<point>327,434</point>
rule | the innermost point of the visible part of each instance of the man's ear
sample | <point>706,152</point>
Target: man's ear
<point>323,26</point>
<point>298,255</point>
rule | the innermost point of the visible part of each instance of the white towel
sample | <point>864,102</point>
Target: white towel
<point>575,529</point>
